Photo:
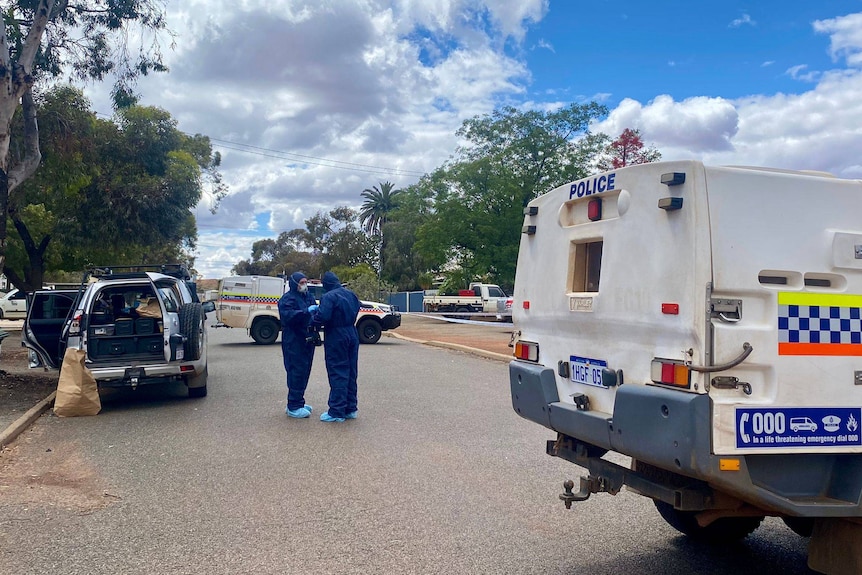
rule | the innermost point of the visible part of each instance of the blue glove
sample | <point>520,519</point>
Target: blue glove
<point>313,308</point>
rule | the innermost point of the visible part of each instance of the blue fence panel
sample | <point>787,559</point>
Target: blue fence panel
<point>407,301</point>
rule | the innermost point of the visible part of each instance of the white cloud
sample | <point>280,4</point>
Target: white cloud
<point>815,130</point>
<point>744,20</point>
<point>376,83</point>
<point>801,72</point>
<point>845,39</point>
<point>696,124</point>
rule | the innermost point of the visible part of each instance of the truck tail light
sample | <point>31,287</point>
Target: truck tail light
<point>75,326</point>
<point>527,350</point>
<point>670,372</point>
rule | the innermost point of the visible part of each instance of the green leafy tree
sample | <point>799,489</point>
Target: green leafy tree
<point>328,240</point>
<point>110,191</point>
<point>403,263</point>
<point>43,39</point>
<point>510,157</point>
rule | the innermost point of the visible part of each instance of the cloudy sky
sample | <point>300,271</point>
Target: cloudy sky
<point>312,101</point>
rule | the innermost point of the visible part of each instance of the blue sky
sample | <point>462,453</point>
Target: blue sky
<point>312,101</point>
<point>642,49</point>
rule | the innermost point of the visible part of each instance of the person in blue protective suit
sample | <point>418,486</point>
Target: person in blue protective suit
<point>297,343</point>
<point>337,313</point>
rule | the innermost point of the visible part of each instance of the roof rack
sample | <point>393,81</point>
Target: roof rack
<point>179,271</point>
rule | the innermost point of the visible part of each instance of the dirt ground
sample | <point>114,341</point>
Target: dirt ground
<point>489,336</point>
<point>20,387</point>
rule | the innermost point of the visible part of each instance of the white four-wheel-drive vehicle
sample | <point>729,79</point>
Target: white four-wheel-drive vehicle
<point>251,302</point>
<point>705,322</point>
<point>137,327</point>
<point>13,305</point>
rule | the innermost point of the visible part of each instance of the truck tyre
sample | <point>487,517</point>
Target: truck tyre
<point>198,390</point>
<point>264,331</point>
<point>369,331</point>
<point>1,314</point>
<point>192,327</point>
<point>724,530</point>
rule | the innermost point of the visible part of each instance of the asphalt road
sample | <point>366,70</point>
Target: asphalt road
<point>438,475</point>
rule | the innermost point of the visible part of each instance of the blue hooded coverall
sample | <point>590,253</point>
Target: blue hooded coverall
<point>297,353</point>
<point>337,312</point>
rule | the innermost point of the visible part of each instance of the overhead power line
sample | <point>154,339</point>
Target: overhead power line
<point>306,159</point>
<point>314,160</point>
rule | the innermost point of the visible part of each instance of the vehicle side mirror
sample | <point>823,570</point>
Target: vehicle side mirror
<point>208,306</point>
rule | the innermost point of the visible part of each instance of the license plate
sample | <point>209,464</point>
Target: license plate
<point>587,371</point>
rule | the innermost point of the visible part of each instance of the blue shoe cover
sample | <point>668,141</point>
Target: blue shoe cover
<point>326,417</point>
<point>351,415</point>
<point>300,413</point>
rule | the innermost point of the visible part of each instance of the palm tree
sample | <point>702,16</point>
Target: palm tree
<point>373,213</point>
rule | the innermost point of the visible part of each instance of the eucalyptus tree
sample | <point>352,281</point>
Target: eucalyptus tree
<point>86,40</point>
<point>109,191</point>
<point>510,157</point>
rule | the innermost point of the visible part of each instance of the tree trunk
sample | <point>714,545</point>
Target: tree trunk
<point>4,209</point>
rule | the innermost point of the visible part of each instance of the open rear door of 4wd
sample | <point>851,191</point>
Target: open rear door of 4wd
<point>46,324</point>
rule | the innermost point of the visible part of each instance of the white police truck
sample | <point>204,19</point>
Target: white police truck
<point>705,322</point>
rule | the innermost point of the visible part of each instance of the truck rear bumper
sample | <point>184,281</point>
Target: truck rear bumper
<point>672,430</point>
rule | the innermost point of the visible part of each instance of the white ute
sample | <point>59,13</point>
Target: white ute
<point>251,302</point>
<point>704,321</point>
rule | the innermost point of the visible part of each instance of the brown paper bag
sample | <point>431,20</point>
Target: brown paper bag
<point>149,307</point>
<point>77,391</point>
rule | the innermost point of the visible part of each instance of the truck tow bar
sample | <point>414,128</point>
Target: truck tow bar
<point>582,495</point>
<point>588,486</point>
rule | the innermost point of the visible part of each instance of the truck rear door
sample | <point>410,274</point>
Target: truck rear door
<point>234,301</point>
<point>787,273</point>
<point>609,277</point>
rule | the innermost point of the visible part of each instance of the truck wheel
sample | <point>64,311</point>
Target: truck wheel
<point>724,530</point>
<point>198,390</point>
<point>192,327</point>
<point>369,331</point>
<point>264,331</point>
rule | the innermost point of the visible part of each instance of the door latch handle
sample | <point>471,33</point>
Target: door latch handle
<point>730,382</point>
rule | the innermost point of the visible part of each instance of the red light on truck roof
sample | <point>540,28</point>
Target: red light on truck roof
<point>594,209</point>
